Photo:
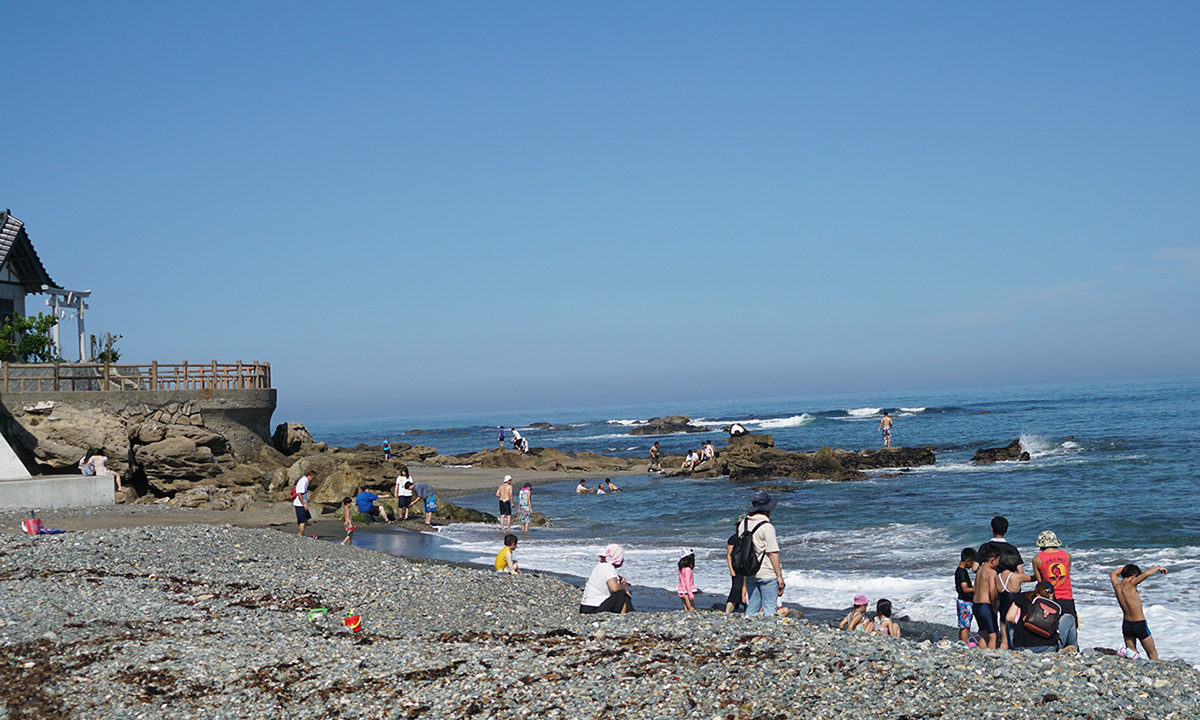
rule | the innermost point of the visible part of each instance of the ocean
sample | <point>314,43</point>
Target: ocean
<point>1113,473</point>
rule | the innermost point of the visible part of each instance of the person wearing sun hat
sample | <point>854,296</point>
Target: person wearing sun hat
<point>857,617</point>
<point>605,591</point>
<point>767,583</point>
<point>1053,564</point>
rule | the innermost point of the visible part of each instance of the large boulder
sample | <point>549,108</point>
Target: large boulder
<point>667,426</point>
<point>55,436</point>
<point>290,437</point>
<point>1010,452</point>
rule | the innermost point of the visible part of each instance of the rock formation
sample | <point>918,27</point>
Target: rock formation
<point>755,457</point>
<point>1010,452</point>
<point>667,426</point>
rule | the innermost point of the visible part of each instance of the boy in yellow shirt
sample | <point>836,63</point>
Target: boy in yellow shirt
<point>505,562</point>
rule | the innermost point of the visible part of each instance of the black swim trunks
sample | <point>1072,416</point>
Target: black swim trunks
<point>1136,630</point>
<point>506,507</point>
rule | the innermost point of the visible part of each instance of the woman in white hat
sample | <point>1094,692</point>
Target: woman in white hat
<point>605,591</point>
<point>1053,564</point>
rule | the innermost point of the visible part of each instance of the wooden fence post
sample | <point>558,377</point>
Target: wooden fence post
<point>154,375</point>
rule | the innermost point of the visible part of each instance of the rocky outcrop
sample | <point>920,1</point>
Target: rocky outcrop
<point>550,459</point>
<point>755,457</point>
<point>290,437</point>
<point>667,426</point>
<point>1010,452</point>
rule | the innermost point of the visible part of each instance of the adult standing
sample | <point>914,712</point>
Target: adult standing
<point>300,503</point>
<point>387,449</point>
<point>999,530</point>
<point>426,493</point>
<point>765,585</point>
<point>500,432</point>
<point>737,583</point>
<point>655,458</point>
<point>504,493</point>
<point>605,591</point>
<point>885,429</point>
<point>403,494</point>
<point>1053,564</point>
<point>525,507</point>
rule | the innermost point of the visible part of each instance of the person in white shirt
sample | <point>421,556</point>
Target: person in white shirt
<point>300,503</point>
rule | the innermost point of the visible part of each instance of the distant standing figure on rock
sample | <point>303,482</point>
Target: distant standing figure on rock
<point>655,458</point>
<point>500,433</point>
<point>504,493</point>
<point>885,428</point>
<point>300,503</point>
<point>426,493</point>
<point>525,507</point>
<point>605,591</point>
<point>387,449</point>
<point>99,465</point>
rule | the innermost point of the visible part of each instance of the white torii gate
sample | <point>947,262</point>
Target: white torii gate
<point>61,303</point>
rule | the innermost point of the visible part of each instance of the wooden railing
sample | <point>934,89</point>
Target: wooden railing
<point>60,377</point>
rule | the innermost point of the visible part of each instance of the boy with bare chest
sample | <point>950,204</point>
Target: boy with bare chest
<point>1125,580</point>
<point>984,606</point>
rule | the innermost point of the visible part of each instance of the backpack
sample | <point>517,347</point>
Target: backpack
<point>294,493</point>
<point>1042,619</point>
<point>745,560</point>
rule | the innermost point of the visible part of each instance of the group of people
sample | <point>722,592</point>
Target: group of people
<point>1045,618</point>
<point>407,494</point>
<point>882,623</point>
<point>524,507</point>
<point>699,456</point>
<point>603,487</point>
<point>95,462</point>
<point>518,442</point>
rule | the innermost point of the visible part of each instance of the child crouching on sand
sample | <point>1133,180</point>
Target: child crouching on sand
<point>857,617</point>
<point>687,582</point>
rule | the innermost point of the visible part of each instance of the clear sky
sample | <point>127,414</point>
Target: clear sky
<point>412,208</point>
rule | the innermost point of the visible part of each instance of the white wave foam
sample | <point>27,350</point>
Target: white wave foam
<point>793,421</point>
<point>863,412</point>
<point>913,410</point>
<point>625,422</point>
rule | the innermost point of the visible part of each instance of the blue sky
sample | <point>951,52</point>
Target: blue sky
<point>412,208</point>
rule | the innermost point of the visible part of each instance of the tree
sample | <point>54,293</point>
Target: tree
<point>27,339</point>
<point>109,353</point>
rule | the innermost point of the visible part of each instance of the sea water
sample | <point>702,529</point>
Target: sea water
<point>1113,473</point>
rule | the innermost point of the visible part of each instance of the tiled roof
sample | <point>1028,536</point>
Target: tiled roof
<point>17,252</point>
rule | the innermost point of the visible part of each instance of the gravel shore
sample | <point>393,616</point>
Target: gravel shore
<point>205,621</point>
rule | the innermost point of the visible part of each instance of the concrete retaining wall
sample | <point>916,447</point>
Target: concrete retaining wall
<point>57,491</point>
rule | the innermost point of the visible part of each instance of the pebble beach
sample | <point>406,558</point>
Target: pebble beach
<point>216,621</point>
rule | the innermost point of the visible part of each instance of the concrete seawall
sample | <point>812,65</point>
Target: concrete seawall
<point>57,491</point>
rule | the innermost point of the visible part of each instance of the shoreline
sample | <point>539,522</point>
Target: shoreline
<point>214,622</point>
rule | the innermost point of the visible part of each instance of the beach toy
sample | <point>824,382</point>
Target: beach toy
<point>316,613</point>
<point>352,621</point>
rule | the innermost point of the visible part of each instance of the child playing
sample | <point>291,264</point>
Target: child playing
<point>856,617</point>
<point>965,590</point>
<point>983,602</point>
<point>1125,580</point>
<point>687,584</point>
<point>505,562</point>
<point>350,526</point>
<point>883,622</point>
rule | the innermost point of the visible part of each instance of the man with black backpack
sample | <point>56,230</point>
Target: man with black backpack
<point>755,556</point>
